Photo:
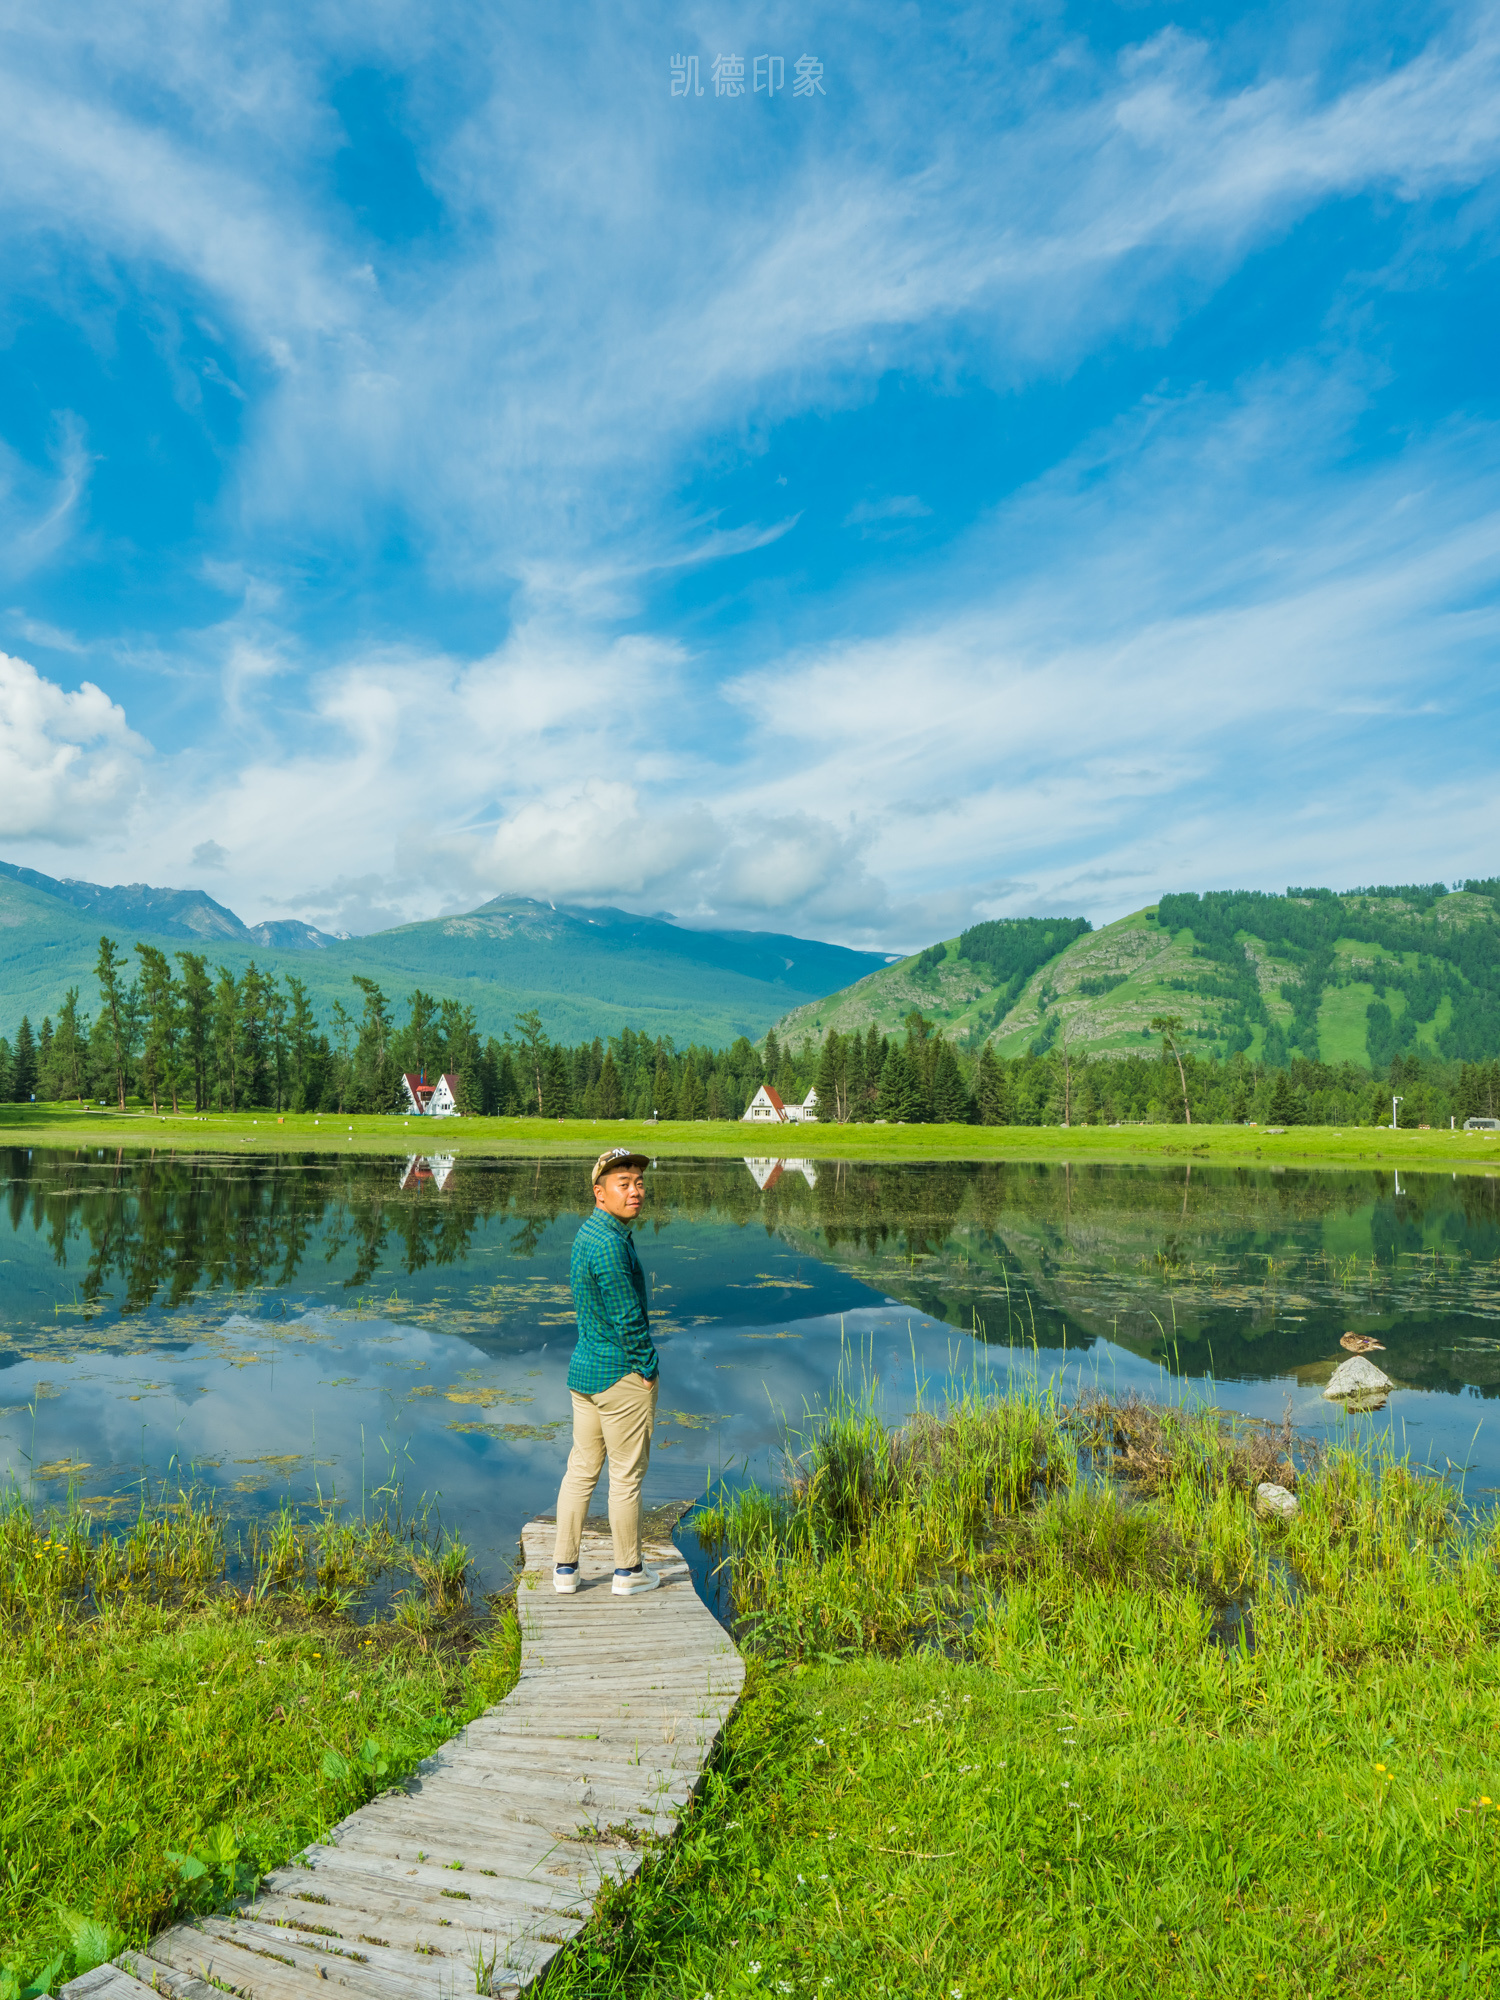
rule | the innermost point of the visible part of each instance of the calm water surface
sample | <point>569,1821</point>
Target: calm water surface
<point>301,1328</point>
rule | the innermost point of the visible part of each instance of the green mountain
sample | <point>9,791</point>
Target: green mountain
<point>1353,977</point>
<point>179,913</point>
<point>585,971</point>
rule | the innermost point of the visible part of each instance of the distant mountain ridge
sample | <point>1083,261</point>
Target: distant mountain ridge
<point>586,971</point>
<point>182,913</point>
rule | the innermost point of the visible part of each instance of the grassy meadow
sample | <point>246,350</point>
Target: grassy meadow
<point>1041,1706</point>
<point>180,1712</point>
<point>269,1132</point>
<point>1042,1703</point>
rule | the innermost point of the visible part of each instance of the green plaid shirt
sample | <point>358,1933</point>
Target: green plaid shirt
<point>609,1295</point>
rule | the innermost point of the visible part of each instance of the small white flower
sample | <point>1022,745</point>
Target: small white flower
<point>754,1966</point>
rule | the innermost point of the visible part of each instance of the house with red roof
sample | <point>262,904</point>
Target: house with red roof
<point>431,1100</point>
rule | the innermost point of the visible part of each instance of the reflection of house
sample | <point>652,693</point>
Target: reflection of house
<point>766,1108</point>
<point>431,1100</point>
<point>766,1173</point>
<point>420,1171</point>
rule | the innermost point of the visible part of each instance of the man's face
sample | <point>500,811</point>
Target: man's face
<point>621,1193</point>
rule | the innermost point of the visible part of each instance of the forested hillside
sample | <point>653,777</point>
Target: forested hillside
<point>1355,978</point>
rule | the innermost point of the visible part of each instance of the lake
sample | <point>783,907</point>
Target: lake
<point>305,1328</point>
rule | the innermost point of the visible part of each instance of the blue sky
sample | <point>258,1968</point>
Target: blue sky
<point>1053,462</point>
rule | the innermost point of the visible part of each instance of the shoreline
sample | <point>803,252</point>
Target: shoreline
<point>236,1134</point>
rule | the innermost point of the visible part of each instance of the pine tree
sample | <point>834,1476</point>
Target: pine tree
<point>197,1001</point>
<point>689,1097</point>
<point>874,1065</point>
<point>787,1085</point>
<point>772,1056</point>
<point>556,1082</point>
<point>854,1077</point>
<point>611,1096</point>
<point>159,1056</point>
<point>5,1071</point>
<point>832,1084</point>
<point>663,1094</point>
<point>899,1100</point>
<point>1283,1106</point>
<point>533,1048</point>
<point>950,1094</point>
<point>989,1089</point>
<point>23,1064</point>
<point>507,1088</point>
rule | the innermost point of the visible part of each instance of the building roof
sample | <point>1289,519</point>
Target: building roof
<point>775,1100</point>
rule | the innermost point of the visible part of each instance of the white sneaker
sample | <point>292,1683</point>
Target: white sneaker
<point>565,1579</point>
<point>635,1582</point>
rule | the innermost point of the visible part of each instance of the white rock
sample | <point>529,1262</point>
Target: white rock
<point>1276,1500</point>
<point>1357,1377</point>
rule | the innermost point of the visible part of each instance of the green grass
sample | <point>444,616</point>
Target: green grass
<point>180,1713</point>
<point>1000,1738</point>
<point>581,1138</point>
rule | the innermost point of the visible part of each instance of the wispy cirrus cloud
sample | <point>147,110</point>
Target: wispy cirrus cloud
<point>533,515</point>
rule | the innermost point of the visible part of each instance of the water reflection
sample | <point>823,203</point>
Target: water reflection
<point>297,1325</point>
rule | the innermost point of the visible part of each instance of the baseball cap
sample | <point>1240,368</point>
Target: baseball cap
<point>615,1158</point>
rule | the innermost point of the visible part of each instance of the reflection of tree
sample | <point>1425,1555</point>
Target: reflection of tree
<point>1202,1269</point>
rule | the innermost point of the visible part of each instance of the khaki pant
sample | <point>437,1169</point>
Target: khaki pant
<point>618,1423</point>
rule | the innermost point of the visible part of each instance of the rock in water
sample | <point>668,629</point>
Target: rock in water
<point>1276,1500</point>
<point>1357,1378</point>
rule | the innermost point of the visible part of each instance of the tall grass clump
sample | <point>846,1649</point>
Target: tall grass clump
<point>1044,1703</point>
<point>183,1706</point>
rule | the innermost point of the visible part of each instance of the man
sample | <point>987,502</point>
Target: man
<point>612,1377</point>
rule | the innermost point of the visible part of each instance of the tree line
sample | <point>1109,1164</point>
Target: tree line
<point>185,1035</point>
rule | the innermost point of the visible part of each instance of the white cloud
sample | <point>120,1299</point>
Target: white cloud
<point>614,284</point>
<point>70,765</point>
<point>1097,674</point>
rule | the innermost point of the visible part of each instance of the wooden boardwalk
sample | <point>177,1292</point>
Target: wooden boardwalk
<point>473,1874</point>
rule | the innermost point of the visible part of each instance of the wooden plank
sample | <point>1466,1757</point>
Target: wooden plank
<point>366,1875</point>
<point>616,1711</point>
<point>364,1969</point>
<point>105,1982</point>
<point>208,1964</point>
<point>446,1937</point>
<point>525,1757</point>
<point>515,1847</point>
<point>162,1979</point>
<point>524,1775</point>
